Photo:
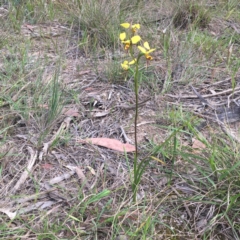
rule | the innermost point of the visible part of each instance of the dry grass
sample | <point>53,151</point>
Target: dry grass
<point>60,81</point>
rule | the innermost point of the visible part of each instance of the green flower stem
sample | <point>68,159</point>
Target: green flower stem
<point>135,165</point>
<point>135,182</point>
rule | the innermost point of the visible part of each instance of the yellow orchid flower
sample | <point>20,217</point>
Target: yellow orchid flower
<point>146,50</point>
<point>125,65</point>
<point>134,27</point>
<point>127,43</point>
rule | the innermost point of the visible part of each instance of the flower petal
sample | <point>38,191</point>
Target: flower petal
<point>151,50</point>
<point>133,61</point>
<point>146,45</point>
<point>135,39</point>
<point>127,46</point>
<point>127,42</point>
<point>125,25</point>
<point>148,57</point>
<point>135,26</point>
<point>125,65</point>
<point>143,50</point>
<point>122,36</point>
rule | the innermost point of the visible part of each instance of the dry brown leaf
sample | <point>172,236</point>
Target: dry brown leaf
<point>197,146</point>
<point>45,106</point>
<point>91,170</point>
<point>110,143</point>
<point>89,89</point>
<point>101,114</point>
<point>80,173</point>
<point>84,72</point>
<point>71,112</point>
<point>82,176</point>
<point>46,166</point>
<point>29,27</point>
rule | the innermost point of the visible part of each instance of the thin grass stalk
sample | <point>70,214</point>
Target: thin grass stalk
<point>174,156</point>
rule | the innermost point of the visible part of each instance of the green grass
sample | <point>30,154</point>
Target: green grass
<point>67,54</point>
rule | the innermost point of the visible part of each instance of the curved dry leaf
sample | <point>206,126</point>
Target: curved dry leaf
<point>71,112</point>
<point>101,114</point>
<point>91,170</point>
<point>7,211</point>
<point>110,143</point>
<point>197,146</point>
<point>46,166</point>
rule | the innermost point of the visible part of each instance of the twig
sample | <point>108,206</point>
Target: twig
<point>220,82</point>
<point>127,140</point>
<point>229,101</point>
<point>15,97</point>
<point>229,133</point>
<point>126,107</point>
<point>204,96</point>
<point>185,205</point>
<point>64,126</point>
<point>145,122</point>
<point>88,85</point>
<point>204,101</point>
<point>22,179</point>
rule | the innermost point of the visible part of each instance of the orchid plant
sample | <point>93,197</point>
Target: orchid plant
<point>132,42</point>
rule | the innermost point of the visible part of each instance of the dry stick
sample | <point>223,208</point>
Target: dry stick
<point>22,179</point>
<point>185,205</point>
<point>64,126</point>
<point>204,96</point>
<point>128,140</point>
<point>225,130</point>
<point>204,116</point>
<point>15,97</point>
<point>229,101</point>
<point>133,106</point>
<point>88,85</point>
<point>232,25</point>
<point>60,178</point>
<point>222,125</point>
<point>82,177</point>
<point>35,196</point>
<point>204,101</point>
<point>222,81</point>
<point>143,123</point>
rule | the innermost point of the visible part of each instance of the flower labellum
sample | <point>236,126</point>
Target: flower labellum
<point>146,50</point>
<point>135,27</point>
